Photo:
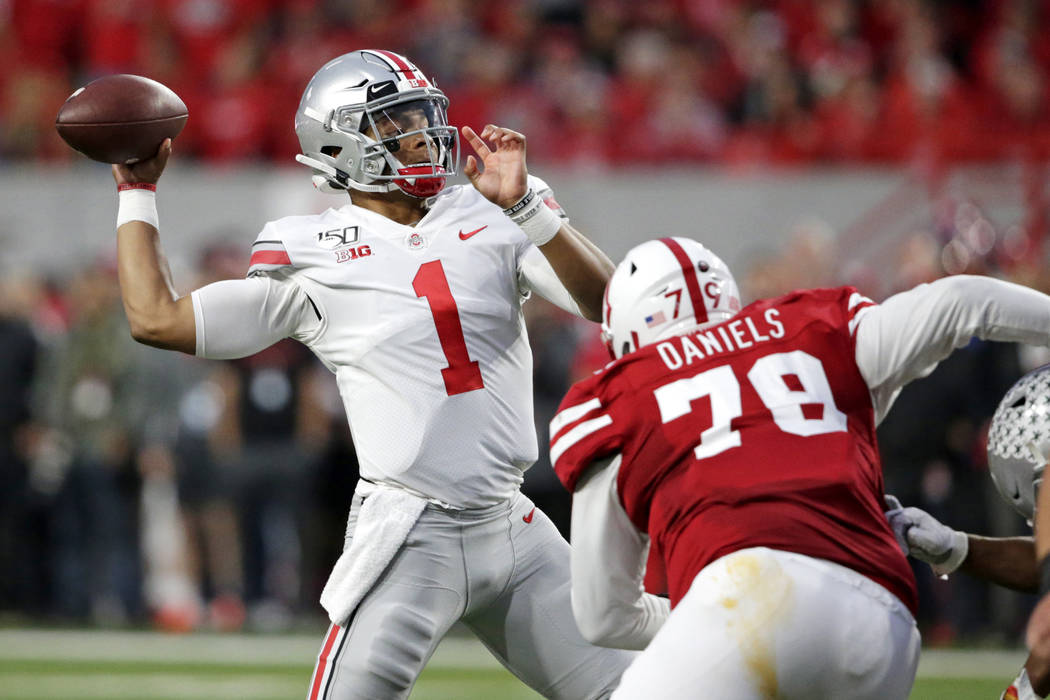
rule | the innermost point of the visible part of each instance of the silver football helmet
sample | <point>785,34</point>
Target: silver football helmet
<point>1019,440</point>
<point>663,288</point>
<point>357,115</point>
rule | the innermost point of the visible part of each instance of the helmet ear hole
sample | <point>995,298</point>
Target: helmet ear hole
<point>331,151</point>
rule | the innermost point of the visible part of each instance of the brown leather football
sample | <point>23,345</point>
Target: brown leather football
<point>121,118</point>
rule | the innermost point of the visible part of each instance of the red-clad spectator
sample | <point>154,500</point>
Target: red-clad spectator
<point>306,42</point>
<point>119,31</point>
<point>928,111</point>
<point>203,28</point>
<point>234,117</point>
<point>849,122</point>
<point>573,92</point>
<point>489,92</point>
<point>48,31</point>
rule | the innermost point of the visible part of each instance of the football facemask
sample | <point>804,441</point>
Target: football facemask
<point>371,121</point>
<point>664,288</point>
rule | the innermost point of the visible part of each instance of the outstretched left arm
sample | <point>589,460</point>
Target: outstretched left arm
<point>580,265</point>
<point>907,335</point>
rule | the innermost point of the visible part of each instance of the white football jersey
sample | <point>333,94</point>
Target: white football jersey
<point>424,330</point>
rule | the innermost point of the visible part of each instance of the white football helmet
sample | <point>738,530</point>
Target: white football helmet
<point>664,288</point>
<point>1019,440</point>
<point>353,117</point>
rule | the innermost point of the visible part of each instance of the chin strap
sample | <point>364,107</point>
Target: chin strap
<point>329,180</point>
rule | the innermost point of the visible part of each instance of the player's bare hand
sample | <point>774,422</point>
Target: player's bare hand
<point>147,171</point>
<point>498,171</point>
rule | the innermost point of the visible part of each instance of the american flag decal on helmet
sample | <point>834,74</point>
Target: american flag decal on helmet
<point>655,320</point>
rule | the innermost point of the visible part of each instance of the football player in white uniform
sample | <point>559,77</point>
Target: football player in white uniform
<point>1018,450</point>
<point>411,294</point>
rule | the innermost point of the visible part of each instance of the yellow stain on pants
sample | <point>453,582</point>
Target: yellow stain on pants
<point>758,594</point>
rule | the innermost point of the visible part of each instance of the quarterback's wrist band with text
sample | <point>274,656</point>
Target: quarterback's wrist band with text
<point>137,202</point>
<point>539,223</point>
<point>1044,576</point>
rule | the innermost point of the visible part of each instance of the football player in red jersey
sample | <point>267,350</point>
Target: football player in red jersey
<point>738,445</point>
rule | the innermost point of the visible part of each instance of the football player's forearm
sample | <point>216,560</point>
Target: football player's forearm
<point>1038,669</point>
<point>1006,561</point>
<point>1042,524</point>
<point>155,314</point>
<point>582,267</point>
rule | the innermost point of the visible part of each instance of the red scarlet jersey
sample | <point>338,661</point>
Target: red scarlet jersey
<point>756,432</point>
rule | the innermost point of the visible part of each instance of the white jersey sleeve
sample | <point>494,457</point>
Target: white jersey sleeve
<point>608,562</point>
<point>906,336</point>
<point>534,271</point>
<point>236,318</point>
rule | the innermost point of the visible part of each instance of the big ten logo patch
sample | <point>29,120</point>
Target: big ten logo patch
<point>348,254</point>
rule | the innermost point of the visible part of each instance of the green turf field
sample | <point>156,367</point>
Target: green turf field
<point>53,665</point>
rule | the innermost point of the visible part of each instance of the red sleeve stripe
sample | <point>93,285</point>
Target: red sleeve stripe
<point>269,257</point>
<point>856,305</point>
<point>566,441</point>
<point>692,283</point>
<point>573,414</point>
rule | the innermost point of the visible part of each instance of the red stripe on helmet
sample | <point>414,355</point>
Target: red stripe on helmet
<point>692,282</point>
<point>402,65</point>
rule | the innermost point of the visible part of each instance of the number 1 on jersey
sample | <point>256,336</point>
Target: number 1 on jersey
<point>462,374</point>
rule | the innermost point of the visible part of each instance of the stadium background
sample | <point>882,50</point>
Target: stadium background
<point>879,143</point>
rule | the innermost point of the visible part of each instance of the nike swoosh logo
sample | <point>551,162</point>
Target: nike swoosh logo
<point>526,518</point>
<point>465,236</point>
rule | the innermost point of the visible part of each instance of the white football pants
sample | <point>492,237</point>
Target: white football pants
<point>760,624</point>
<point>503,571</point>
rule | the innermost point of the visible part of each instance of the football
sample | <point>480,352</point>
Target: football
<point>121,118</point>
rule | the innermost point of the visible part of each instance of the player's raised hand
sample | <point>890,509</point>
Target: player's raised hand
<point>148,170</point>
<point>498,171</point>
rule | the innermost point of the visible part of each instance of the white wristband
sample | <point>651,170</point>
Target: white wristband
<point>137,205</point>
<point>539,223</point>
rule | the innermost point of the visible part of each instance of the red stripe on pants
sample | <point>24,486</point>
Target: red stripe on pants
<point>322,661</point>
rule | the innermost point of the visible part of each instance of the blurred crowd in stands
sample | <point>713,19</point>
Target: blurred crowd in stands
<point>591,82</point>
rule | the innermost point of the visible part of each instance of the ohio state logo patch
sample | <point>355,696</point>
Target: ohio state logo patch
<point>416,241</point>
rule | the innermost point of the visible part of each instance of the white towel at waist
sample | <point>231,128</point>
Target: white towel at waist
<point>383,522</point>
